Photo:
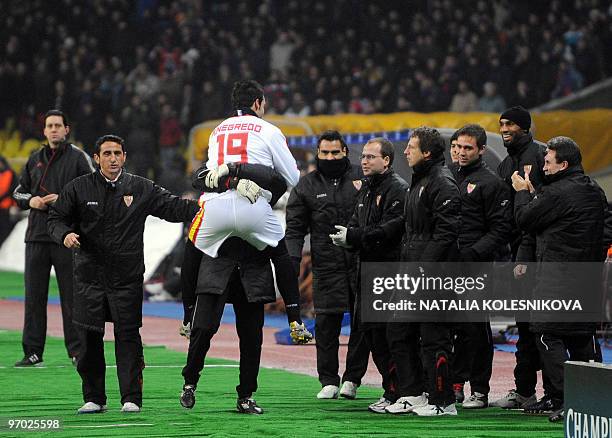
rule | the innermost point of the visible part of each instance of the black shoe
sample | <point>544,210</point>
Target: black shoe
<point>187,398</point>
<point>33,360</point>
<point>248,406</point>
<point>546,405</point>
<point>557,416</point>
<point>458,390</point>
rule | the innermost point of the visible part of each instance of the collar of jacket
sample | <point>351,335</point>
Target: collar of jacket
<point>244,112</point>
<point>464,171</point>
<point>112,185</point>
<point>518,147</point>
<point>49,152</point>
<point>374,181</point>
<point>572,170</point>
<point>424,166</point>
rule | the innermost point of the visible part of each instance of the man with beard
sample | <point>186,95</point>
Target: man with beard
<point>525,156</point>
<point>485,230</point>
<point>320,200</point>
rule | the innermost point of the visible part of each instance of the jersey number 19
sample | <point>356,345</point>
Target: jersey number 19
<point>232,144</point>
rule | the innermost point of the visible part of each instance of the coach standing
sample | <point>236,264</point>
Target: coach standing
<point>432,218</point>
<point>46,173</point>
<point>372,231</point>
<point>102,216</point>
<point>322,199</point>
<point>525,156</point>
<point>567,216</point>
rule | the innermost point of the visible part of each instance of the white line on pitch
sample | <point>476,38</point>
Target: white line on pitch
<point>110,425</point>
<point>115,366</point>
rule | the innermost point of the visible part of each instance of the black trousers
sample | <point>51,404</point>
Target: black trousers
<point>130,363</point>
<point>40,256</point>
<point>555,350</point>
<point>528,363</point>
<point>427,373</point>
<point>327,330</point>
<point>249,324</point>
<point>375,336</point>
<point>472,358</point>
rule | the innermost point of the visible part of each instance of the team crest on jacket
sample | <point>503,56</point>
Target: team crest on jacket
<point>128,200</point>
<point>470,187</point>
<point>357,183</point>
<point>378,198</point>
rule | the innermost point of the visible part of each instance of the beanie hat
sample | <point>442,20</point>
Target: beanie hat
<point>518,115</point>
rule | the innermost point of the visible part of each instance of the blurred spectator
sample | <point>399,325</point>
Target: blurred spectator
<point>464,100</point>
<point>491,102</point>
<point>169,134</point>
<point>329,58</point>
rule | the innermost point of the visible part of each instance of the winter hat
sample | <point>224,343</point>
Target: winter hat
<point>518,115</point>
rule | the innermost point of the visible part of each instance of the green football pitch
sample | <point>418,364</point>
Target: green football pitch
<point>291,410</point>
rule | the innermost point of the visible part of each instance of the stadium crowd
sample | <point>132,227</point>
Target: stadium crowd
<point>150,70</point>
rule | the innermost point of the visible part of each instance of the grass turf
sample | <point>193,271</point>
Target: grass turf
<point>11,285</point>
<point>291,410</point>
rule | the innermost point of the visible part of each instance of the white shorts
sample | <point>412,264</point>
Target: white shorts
<point>229,214</point>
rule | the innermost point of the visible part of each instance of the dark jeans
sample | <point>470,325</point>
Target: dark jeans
<point>249,325</point>
<point>130,363</point>
<point>40,256</point>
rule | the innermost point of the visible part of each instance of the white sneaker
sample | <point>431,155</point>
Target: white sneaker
<point>327,392</point>
<point>91,408</point>
<point>476,401</point>
<point>435,410</point>
<point>349,390</point>
<point>130,407</point>
<point>379,406</point>
<point>404,405</point>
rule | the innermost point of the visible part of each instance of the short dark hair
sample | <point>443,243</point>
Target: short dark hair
<point>430,140</point>
<point>109,137</point>
<point>332,135</point>
<point>453,137</point>
<point>565,149</point>
<point>474,131</point>
<point>245,93</point>
<point>386,147</point>
<point>56,112</point>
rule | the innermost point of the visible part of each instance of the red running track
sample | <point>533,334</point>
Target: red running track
<point>299,359</point>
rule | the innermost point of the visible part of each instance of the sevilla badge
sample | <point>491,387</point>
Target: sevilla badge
<point>357,183</point>
<point>470,188</point>
<point>128,200</point>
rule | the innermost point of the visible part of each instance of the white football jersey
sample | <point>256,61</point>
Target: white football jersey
<point>249,139</point>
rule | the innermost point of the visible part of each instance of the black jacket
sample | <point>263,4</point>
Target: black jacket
<point>253,265</point>
<point>373,229</point>
<point>525,153</point>
<point>486,216</point>
<point>109,219</point>
<point>567,216</point>
<point>316,204</point>
<point>432,214</point>
<point>48,171</point>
